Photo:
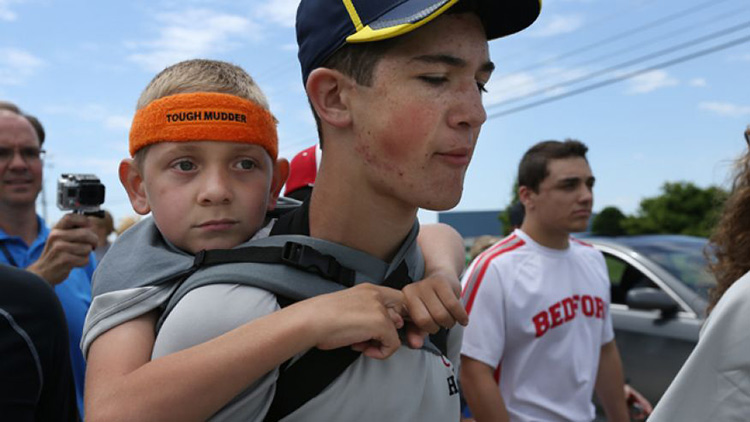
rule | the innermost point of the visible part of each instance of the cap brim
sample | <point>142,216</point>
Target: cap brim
<point>404,18</point>
<point>500,18</point>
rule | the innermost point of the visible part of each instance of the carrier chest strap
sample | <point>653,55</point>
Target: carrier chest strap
<point>306,378</point>
<point>293,254</point>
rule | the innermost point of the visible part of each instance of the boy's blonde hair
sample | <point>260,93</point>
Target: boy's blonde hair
<point>201,75</point>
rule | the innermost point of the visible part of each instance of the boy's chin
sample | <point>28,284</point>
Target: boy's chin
<point>444,203</point>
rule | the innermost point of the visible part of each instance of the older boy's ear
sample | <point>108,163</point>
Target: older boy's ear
<point>280,174</point>
<point>525,196</point>
<point>327,91</point>
<point>132,181</point>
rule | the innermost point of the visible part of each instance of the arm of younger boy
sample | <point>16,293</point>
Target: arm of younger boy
<point>433,302</point>
<point>122,383</point>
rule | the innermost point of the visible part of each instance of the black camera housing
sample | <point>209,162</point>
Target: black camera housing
<point>80,193</point>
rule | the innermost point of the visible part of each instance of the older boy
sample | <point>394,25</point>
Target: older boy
<point>540,339</point>
<point>398,121</point>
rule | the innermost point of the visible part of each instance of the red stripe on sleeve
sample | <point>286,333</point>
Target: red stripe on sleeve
<point>483,270</point>
<point>581,242</point>
<point>498,372</point>
<point>482,256</point>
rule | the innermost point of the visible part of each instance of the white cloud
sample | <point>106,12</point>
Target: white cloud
<point>742,57</point>
<point>556,25</point>
<point>522,84</point>
<point>509,86</point>
<point>99,166</point>
<point>6,14</point>
<point>190,34</point>
<point>698,82</point>
<point>92,113</point>
<point>17,65</point>
<point>116,122</point>
<point>725,109</point>
<point>282,12</point>
<point>651,81</point>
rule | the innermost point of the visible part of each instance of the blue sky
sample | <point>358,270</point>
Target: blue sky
<point>80,66</point>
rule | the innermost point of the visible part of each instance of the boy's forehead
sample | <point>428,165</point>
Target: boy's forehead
<point>559,169</point>
<point>205,147</point>
<point>434,40</point>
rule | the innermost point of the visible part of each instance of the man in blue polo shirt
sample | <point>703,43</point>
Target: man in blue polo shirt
<point>62,255</point>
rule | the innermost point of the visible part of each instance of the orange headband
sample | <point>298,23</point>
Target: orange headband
<point>204,116</point>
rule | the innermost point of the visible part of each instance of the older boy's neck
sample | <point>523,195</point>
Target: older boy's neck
<point>358,220</point>
<point>544,237</point>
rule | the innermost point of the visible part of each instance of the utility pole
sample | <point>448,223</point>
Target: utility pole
<point>48,165</point>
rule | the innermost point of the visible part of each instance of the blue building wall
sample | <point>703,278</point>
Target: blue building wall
<point>473,223</point>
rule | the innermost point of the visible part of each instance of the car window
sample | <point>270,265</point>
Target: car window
<point>685,260</point>
<point>624,277</point>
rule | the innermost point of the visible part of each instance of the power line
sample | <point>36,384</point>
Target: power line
<point>743,26</point>
<point>618,14</point>
<point>649,41</point>
<point>624,34</point>
<point>613,80</point>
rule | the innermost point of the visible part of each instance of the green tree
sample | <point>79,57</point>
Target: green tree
<point>682,208</point>
<point>608,222</point>
<point>504,215</point>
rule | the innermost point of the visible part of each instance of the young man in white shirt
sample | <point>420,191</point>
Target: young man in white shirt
<point>540,337</point>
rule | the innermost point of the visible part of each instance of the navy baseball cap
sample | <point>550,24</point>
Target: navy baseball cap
<point>323,26</point>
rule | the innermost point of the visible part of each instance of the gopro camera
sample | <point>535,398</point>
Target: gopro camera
<point>80,193</point>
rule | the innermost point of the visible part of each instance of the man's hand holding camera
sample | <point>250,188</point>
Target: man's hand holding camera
<point>71,241</point>
<point>68,246</point>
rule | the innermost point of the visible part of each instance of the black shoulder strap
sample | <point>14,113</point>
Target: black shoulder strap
<point>304,379</point>
<point>307,377</point>
<point>7,254</point>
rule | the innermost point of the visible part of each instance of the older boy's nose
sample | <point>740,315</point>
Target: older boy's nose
<point>468,110</point>
<point>215,188</point>
<point>586,195</point>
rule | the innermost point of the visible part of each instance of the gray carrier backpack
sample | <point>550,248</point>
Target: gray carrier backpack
<point>271,264</point>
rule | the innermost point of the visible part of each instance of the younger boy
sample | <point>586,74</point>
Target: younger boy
<point>204,164</point>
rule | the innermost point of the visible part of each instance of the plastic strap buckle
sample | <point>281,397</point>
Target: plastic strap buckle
<point>307,258</point>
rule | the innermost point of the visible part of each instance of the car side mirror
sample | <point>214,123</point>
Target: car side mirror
<point>650,298</point>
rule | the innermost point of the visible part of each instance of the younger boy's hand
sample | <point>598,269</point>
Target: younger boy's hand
<point>433,303</point>
<point>364,317</point>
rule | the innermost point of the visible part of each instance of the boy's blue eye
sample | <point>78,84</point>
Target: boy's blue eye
<point>246,164</point>
<point>185,165</point>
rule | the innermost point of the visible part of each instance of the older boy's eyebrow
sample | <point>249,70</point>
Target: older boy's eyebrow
<point>573,180</point>
<point>451,61</point>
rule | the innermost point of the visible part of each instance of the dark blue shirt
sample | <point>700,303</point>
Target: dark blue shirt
<point>74,294</point>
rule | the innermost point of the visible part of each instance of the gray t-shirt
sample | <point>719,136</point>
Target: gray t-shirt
<point>412,385</point>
